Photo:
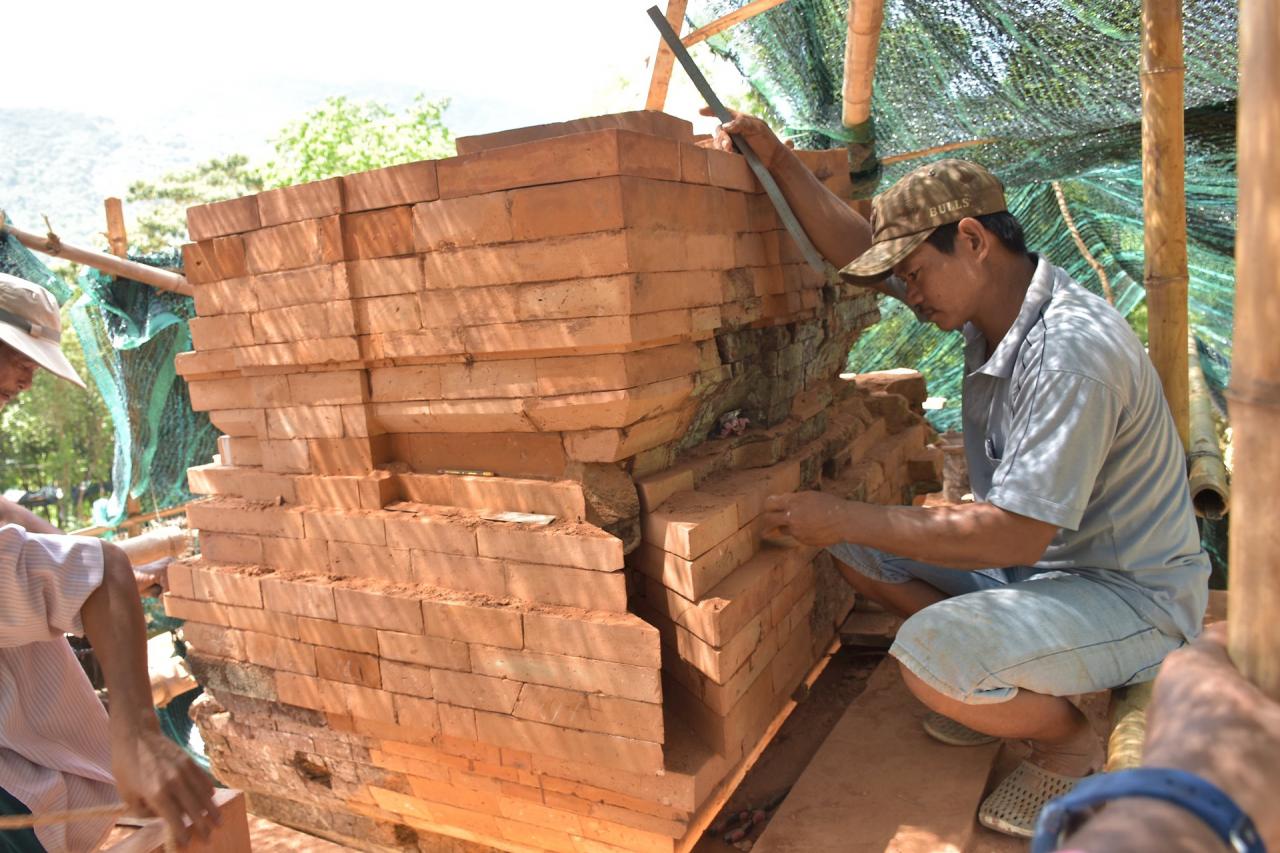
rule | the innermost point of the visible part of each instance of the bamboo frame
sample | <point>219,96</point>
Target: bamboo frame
<point>737,16</point>
<point>51,245</point>
<point>1253,598</point>
<point>1206,471</point>
<point>117,237</point>
<point>937,149</point>
<point>865,19</point>
<point>1164,202</point>
<point>664,60</point>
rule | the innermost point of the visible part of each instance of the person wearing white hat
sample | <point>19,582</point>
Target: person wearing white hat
<point>59,749</point>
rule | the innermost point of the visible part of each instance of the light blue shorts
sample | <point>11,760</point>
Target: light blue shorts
<point>1002,630</point>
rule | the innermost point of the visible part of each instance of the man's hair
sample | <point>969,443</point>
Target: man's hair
<point>1003,225</point>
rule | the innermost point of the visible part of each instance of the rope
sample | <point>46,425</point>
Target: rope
<point>1084,250</point>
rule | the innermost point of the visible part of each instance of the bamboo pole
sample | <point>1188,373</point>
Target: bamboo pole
<point>937,149</point>
<point>865,19</point>
<point>737,16</point>
<point>51,245</point>
<point>664,60</point>
<point>117,238</point>
<point>1253,598</point>
<point>1164,202</point>
<point>1206,471</point>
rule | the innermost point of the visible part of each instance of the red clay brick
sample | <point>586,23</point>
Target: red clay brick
<point>291,246</point>
<point>480,379</point>
<point>456,722</point>
<point>301,599</point>
<point>572,673</point>
<point>378,610</point>
<point>264,621</point>
<point>730,170</point>
<point>585,588</point>
<point>196,611</point>
<point>555,544</point>
<point>608,372</point>
<point>223,217</point>
<point>475,691</point>
<point>563,499</point>
<point>649,122</point>
<point>623,639</point>
<point>588,747</point>
<point>430,532</point>
<point>378,233</point>
<point>452,416</point>
<point>471,221</point>
<point>226,587</point>
<point>690,523</point>
<point>363,527</point>
<point>387,314</point>
<point>309,285</point>
<point>406,183</point>
<point>402,678</point>
<point>614,445</point>
<point>240,422</point>
<point>495,626</point>
<point>383,276</point>
<point>467,574</point>
<point>335,697</point>
<point>590,712</point>
<point>303,322</point>
<point>228,330</point>
<point>303,201</point>
<point>215,640</point>
<point>280,654</point>
<point>299,555</point>
<point>346,455</point>
<point>418,382</point>
<point>529,455</point>
<point>419,714</point>
<point>426,651</point>
<point>370,561</point>
<point>694,578</point>
<point>211,262</point>
<point>605,409</point>
<point>656,488</point>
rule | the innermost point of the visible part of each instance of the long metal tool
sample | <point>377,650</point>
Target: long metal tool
<point>771,188</point>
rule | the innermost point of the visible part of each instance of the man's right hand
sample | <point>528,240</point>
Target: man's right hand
<point>763,141</point>
<point>155,777</point>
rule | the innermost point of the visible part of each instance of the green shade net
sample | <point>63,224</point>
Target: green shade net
<point>131,333</point>
<point>1052,87</point>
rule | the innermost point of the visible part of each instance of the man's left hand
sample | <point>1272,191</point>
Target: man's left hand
<point>809,517</point>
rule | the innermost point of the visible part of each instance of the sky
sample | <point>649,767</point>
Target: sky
<point>505,63</point>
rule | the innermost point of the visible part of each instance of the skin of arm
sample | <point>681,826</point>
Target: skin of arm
<point>970,536</point>
<point>152,773</point>
<point>1205,718</point>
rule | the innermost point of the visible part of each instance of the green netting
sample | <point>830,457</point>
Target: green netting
<point>1053,85</point>
<point>131,333</point>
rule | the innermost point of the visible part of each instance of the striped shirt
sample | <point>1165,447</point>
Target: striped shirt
<point>55,748</point>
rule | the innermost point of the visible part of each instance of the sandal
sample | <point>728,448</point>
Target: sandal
<point>948,731</point>
<point>1012,808</point>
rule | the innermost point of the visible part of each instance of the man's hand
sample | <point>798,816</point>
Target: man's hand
<point>755,132</point>
<point>809,517</point>
<point>155,777</point>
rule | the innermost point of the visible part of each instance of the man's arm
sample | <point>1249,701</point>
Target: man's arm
<point>971,536</point>
<point>837,231</point>
<point>12,513</point>
<point>151,771</point>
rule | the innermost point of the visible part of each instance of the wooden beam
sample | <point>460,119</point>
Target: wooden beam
<point>737,16</point>
<point>664,60</point>
<point>117,239</point>
<point>865,19</point>
<point>50,245</point>
<point>1164,202</point>
<point>1254,590</point>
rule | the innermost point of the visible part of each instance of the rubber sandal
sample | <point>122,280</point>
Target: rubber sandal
<point>943,728</point>
<point>1013,806</point>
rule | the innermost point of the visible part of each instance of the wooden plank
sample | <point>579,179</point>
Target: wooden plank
<point>1164,202</point>
<point>879,783</point>
<point>664,60</point>
<point>737,16</point>
<point>117,238</point>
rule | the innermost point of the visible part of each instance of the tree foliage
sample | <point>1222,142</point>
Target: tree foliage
<point>345,136</point>
<point>163,222</point>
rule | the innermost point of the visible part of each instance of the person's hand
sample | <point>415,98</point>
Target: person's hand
<point>750,129</point>
<point>152,580</point>
<point>155,777</point>
<point>809,517</point>
<point>1205,717</point>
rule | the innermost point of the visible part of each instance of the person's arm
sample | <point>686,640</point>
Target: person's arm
<point>838,232</point>
<point>970,536</point>
<point>1204,718</point>
<point>152,772</point>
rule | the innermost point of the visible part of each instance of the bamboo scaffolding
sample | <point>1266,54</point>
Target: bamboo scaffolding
<point>117,238</point>
<point>1253,598</point>
<point>664,60</point>
<point>1164,202</point>
<point>865,19</point>
<point>1206,471</point>
<point>51,245</point>
<point>737,16</point>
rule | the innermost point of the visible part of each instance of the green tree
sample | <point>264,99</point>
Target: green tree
<point>163,221</point>
<point>345,136</point>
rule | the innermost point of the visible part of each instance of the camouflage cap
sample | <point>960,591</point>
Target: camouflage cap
<point>903,216</point>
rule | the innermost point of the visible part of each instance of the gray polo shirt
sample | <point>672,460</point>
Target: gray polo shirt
<point>1067,423</point>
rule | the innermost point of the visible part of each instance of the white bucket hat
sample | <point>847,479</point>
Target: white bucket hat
<point>30,323</point>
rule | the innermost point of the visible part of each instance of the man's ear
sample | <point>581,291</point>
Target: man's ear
<point>975,239</point>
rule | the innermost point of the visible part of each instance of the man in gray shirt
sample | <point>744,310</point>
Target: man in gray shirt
<point>1079,566</point>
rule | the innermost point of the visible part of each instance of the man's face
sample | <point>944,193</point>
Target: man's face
<point>944,287</point>
<point>16,372</point>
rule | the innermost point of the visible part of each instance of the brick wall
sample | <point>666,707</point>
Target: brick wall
<point>553,322</point>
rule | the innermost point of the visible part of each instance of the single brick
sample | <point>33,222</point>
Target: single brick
<point>585,588</point>
<point>383,276</point>
<point>302,599</point>
<point>363,527</point>
<point>623,639</point>
<point>338,665</point>
<point>475,691</point>
<point>561,544</point>
<point>493,626</point>
<point>572,673</point>
<point>406,183</point>
<point>466,574</point>
<point>378,233</point>
<point>402,678</point>
<point>279,653</point>
<point>336,635</point>
<point>591,712</point>
<point>222,217</point>
<point>426,651</point>
<point>378,610</point>
<point>471,221</point>
<point>226,587</point>
<point>425,531</point>
<point>302,201</point>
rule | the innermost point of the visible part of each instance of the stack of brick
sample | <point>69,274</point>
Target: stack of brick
<point>552,323</point>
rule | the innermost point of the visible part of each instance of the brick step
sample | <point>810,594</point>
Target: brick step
<point>879,783</point>
<point>875,630</point>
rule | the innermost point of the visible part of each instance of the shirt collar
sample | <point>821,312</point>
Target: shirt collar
<point>1002,361</point>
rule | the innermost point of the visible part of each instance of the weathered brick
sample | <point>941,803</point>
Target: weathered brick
<point>279,653</point>
<point>426,651</point>
<point>475,691</point>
